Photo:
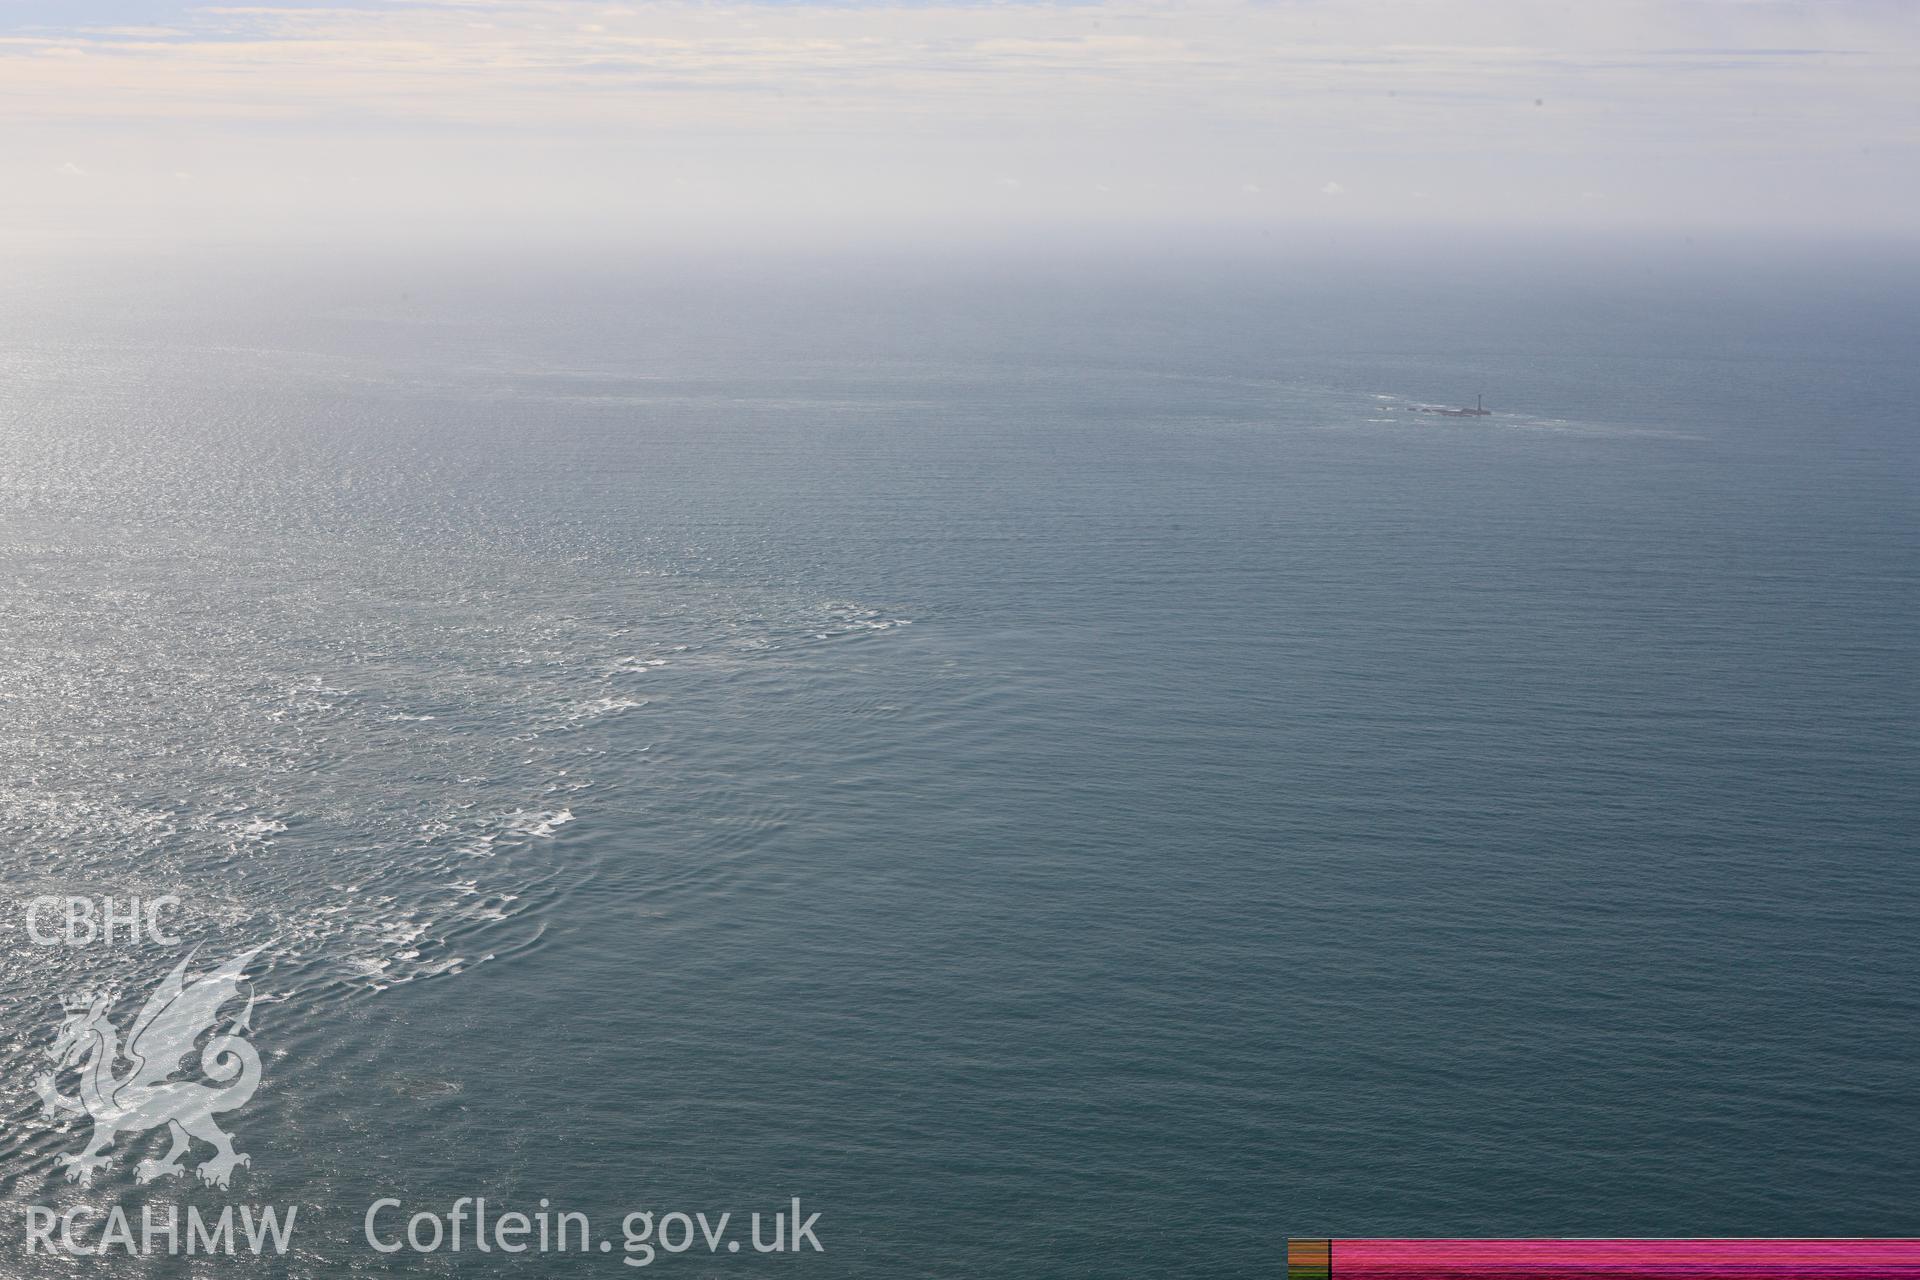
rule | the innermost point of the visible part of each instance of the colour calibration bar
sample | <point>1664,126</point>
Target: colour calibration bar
<point>1803,1259</point>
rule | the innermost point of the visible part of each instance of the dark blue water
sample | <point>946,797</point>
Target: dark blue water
<point>1049,761</point>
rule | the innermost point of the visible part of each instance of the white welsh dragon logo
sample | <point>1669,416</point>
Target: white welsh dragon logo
<point>170,1023</point>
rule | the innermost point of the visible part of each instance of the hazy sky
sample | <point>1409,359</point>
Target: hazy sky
<point>776,119</point>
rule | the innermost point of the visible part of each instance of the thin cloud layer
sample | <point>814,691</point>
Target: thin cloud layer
<point>1737,113</point>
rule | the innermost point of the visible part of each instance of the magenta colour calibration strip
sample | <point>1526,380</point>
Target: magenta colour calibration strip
<point>1320,1258</point>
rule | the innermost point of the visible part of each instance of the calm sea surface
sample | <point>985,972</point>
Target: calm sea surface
<point>1051,763</point>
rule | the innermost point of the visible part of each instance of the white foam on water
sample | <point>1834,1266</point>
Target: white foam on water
<point>606,707</point>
